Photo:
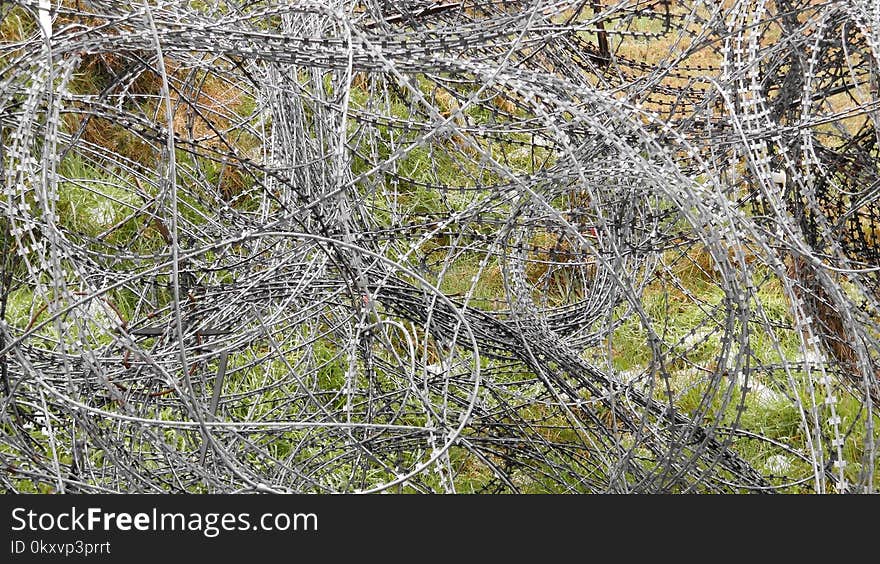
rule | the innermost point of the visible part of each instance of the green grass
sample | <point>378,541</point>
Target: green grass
<point>93,200</point>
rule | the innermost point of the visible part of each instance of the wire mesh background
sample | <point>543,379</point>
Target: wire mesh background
<point>428,246</point>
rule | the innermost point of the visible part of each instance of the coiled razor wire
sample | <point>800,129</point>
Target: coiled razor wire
<point>440,246</point>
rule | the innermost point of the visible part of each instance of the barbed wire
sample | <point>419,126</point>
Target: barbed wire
<point>440,246</point>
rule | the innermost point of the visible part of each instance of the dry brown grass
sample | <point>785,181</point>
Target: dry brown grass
<point>204,111</point>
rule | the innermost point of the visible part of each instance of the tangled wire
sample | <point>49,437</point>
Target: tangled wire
<point>440,246</point>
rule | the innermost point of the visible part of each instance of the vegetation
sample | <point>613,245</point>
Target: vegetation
<point>306,367</point>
